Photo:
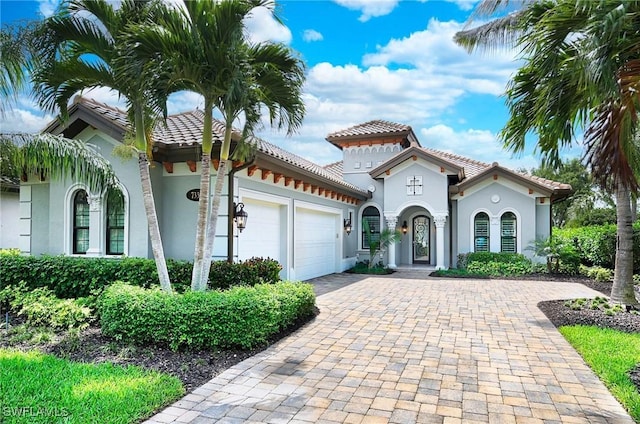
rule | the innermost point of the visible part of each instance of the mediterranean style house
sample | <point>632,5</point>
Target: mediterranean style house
<point>308,217</point>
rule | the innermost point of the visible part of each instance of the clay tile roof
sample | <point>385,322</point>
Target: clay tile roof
<point>113,114</point>
<point>471,167</point>
<point>334,168</point>
<point>330,174</point>
<point>186,129</point>
<point>376,127</point>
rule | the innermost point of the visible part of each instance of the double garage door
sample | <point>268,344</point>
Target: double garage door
<point>315,249</point>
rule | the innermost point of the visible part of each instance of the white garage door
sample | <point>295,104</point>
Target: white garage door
<point>262,236</point>
<point>316,243</point>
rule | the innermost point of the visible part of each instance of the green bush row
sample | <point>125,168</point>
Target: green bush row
<point>70,276</point>
<point>596,245</point>
<point>41,308</point>
<point>494,264</point>
<point>241,316</point>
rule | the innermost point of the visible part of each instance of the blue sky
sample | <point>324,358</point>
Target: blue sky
<point>366,59</point>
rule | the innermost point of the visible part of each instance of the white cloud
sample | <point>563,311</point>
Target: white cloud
<point>464,4</point>
<point>261,26</point>
<point>369,8</point>
<point>433,51</point>
<point>24,121</point>
<point>48,7</point>
<point>311,35</point>
<point>476,144</point>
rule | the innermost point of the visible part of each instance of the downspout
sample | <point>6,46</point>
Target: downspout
<point>230,210</point>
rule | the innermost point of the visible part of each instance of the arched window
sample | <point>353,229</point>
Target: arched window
<point>115,226</point>
<point>481,232</point>
<point>508,233</point>
<point>370,222</point>
<point>80,222</point>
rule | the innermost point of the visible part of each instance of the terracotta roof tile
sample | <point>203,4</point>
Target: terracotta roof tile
<point>375,127</point>
<point>185,129</point>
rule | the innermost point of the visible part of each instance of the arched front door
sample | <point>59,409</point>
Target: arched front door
<point>421,239</point>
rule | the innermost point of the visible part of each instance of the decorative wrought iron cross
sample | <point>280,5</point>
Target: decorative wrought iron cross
<point>414,185</point>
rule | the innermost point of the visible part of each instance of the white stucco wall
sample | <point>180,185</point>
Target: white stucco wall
<point>495,199</point>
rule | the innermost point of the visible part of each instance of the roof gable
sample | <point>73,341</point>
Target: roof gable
<point>541,185</point>
<point>413,153</point>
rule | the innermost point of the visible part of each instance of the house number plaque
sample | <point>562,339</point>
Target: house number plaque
<point>194,194</point>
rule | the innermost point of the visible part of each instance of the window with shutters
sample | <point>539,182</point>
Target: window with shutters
<point>508,234</point>
<point>481,232</point>
<point>115,228</point>
<point>80,222</point>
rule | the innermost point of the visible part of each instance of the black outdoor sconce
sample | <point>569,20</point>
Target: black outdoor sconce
<point>240,216</point>
<point>347,226</point>
<point>405,228</point>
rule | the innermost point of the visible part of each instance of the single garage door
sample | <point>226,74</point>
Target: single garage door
<point>262,236</point>
<point>316,243</point>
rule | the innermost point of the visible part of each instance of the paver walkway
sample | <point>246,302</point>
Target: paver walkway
<point>409,349</point>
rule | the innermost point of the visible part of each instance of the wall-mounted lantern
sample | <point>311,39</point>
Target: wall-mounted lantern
<point>347,225</point>
<point>405,228</point>
<point>240,216</point>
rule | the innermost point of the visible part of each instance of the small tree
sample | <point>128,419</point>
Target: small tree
<point>386,237</point>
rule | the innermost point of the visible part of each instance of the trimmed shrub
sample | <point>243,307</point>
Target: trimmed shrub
<point>71,277</point>
<point>41,307</point>
<point>242,316</point>
<point>596,245</point>
<point>498,264</point>
<point>250,272</point>
<point>598,273</point>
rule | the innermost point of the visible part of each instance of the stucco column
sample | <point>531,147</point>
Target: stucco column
<point>440,220</point>
<point>494,234</point>
<point>392,221</point>
<point>96,238</point>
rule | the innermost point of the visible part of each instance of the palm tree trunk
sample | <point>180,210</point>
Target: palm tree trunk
<point>201,226</point>
<point>213,222</point>
<point>622,290</point>
<point>152,220</point>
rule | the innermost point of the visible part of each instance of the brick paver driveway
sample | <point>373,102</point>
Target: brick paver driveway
<point>409,349</point>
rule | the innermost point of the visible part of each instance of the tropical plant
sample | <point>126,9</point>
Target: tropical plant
<point>581,71</point>
<point>380,242</point>
<point>560,255</point>
<point>58,157</point>
<point>86,48</point>
<point>204,49</point>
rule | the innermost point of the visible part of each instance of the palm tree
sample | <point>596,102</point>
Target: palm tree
<point>204,49</point>
<point>87,52</point>
<point>581,71</point>
<point>58,157</point>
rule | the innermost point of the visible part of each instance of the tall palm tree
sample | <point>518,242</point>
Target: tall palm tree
<point>581,72</point>
<point>204,49</point>
<point>88,50</point>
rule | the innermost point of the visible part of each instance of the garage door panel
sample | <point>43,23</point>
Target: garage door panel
<point>316,243</point>
<point>262,236</point>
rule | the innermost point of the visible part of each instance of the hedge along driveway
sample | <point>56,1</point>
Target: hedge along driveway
<point>241,316</point>
<point>73,277</point>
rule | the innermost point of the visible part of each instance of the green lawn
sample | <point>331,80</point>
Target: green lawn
<point>39,388</point>
<point>611,354</point>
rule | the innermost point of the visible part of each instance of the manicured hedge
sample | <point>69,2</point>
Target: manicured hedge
<point>241,316</point>
<point>71,277</point>
<point>494,264</point>
<point>596,244</point>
